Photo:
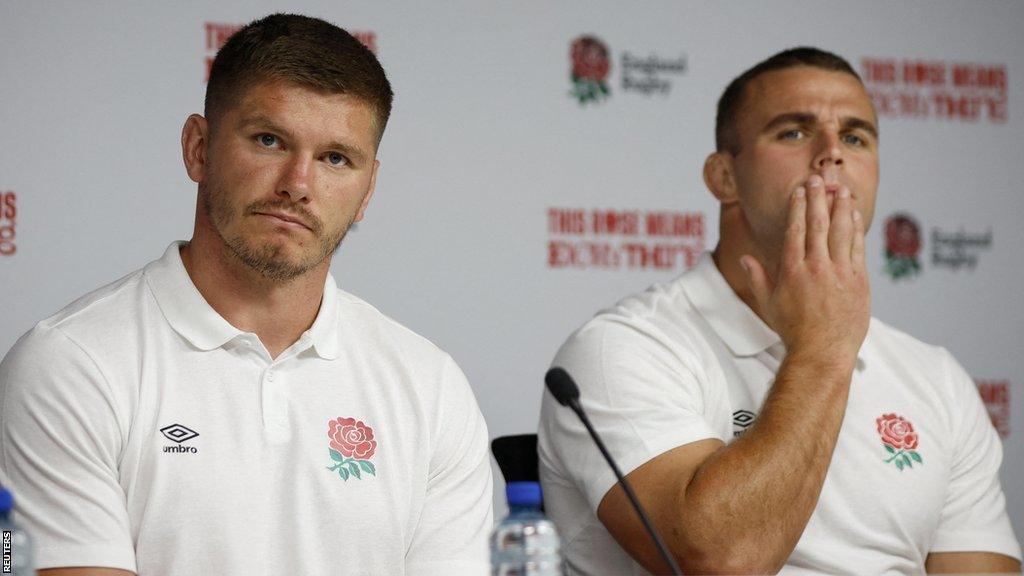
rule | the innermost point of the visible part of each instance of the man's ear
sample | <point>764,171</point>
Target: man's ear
<point>195,136</point>
<point>719,177</point>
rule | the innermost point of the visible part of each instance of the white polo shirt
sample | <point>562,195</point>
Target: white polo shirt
<point>140,430</point>
<point>688,360</point>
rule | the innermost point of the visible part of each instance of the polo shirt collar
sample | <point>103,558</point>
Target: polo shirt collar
<point>324,331</point>
<point>732,320</point>
<point>191,316</point>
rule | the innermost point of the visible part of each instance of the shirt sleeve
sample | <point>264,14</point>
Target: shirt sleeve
<point>974,514</point>
<point>451,536</point>
<point>643,395</point>
<point>59,447</point>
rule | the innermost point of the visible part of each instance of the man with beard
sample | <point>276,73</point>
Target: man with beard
<point>227,409</point>
<point>765,420</point>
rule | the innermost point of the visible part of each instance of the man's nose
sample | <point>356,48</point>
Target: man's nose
<point>296,182</point>
<point>829,150</point>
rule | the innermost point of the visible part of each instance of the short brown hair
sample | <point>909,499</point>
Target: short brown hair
<point>726,139</point>
<point>306,51</point>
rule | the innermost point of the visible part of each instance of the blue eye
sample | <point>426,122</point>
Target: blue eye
<point>268,140</point>
<point>336,158</point>
<point>791,135</point>
<point>853,139</point>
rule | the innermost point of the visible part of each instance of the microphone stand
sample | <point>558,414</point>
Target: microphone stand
<point>659,544</point>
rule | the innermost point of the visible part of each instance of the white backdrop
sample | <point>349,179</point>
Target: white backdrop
<point>487,139</point>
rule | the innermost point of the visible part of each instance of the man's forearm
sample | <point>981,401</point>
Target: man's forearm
<point>743,507</point>
<point>748,504</point>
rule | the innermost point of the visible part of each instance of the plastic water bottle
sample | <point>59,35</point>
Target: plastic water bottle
<point>16,545</point>
<point>525,543</point>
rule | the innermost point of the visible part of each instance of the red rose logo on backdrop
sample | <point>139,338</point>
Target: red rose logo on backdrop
<point>899,439</point>
<point>8,222</point>
<point>590,67</point>
<point>996,396</point>
<point>902,237</point>
<point>352,446</point>
<point>902,245</point>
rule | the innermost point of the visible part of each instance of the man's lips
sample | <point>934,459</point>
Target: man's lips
<point>286,219</point>
<point>831,190</point>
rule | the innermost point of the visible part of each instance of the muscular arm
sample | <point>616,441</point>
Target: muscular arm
<point>742,507</point>
<point>971,563</point>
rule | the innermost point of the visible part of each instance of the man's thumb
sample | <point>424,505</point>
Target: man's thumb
<point>758,280</point>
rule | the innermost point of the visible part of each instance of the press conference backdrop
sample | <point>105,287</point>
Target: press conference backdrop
<point>543,159</point>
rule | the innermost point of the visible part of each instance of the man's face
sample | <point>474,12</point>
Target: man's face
<point>795,123</point>
<point>287,171</point>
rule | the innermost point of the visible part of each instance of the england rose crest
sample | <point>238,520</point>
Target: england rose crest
<point>900,440</point>
<point>590,67</point>
<point>351,447</point>
<point>902,245</point>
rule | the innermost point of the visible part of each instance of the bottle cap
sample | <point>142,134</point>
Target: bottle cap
<point>523,494</point>
<point>6,500</point>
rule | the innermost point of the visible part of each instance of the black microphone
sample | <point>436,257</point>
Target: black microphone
<point>564,389</point>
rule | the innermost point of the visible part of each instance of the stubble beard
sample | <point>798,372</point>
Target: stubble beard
<point>269,260</point>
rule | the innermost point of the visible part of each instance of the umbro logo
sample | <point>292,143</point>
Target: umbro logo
<point>741,420</point>
<point>177,433</point>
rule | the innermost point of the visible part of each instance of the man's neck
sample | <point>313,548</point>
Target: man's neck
<point>727,259</point>
<point>277,312</point>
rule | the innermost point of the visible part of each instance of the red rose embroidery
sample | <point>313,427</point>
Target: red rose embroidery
<point>352,446</point>
<point>897,432</point>
<point>352,438</point>
<point>900,440</point>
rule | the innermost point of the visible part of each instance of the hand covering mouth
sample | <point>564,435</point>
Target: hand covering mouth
<point>830,176</point>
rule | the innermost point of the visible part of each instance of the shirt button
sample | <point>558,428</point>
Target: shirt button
<point>270,376</point>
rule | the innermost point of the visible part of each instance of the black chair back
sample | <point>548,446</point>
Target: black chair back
<point>517,457</point>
